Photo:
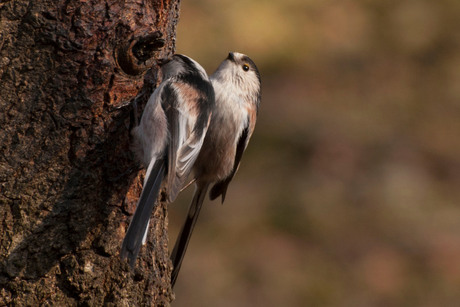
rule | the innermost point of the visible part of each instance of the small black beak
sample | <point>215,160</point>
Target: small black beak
<point>231,57</point>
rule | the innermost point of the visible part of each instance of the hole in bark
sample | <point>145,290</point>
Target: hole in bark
<point>135,57</point>
<point>147,45</point>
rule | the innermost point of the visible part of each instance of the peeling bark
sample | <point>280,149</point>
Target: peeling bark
<point>68,180</point>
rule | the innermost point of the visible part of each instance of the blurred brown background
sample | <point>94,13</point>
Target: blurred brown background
<point>349,192</point>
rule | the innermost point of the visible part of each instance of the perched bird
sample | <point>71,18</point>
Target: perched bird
<point>237,90</point>
<point>168,140</point>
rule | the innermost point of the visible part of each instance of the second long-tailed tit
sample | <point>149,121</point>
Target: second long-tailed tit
<point>168,140</point>
<point>237,90</point>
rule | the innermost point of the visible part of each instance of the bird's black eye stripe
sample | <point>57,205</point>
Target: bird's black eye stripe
<point>253,66</point>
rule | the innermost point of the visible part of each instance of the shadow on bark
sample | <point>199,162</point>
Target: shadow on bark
<point>77,214</point>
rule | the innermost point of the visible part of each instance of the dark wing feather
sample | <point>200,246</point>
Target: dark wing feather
<point>172,115</point>
<point>220,188</point>
<point>188,124</point>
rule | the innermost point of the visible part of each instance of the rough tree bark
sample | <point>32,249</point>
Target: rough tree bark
<point>68,181</point>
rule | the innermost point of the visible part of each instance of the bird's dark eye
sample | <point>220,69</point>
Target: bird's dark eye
<point>245,67</point>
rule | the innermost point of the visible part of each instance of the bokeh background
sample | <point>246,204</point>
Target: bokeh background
<point>349,192</point>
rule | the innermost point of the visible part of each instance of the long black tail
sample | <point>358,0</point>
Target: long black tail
<point>186,232</point>
<point>137,229</point>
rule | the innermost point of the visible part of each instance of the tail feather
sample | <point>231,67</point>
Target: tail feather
<point>138,227</point>
<point>186,232</point>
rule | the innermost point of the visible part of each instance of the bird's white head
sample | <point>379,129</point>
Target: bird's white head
<point>239,73</point>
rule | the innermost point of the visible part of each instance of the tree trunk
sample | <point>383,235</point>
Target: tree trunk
<point>68,180</point>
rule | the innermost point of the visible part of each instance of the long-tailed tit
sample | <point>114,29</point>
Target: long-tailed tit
<point>168,140</point>
<point>236,85</point>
